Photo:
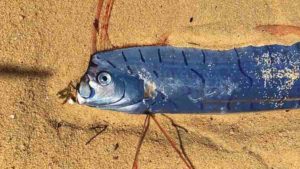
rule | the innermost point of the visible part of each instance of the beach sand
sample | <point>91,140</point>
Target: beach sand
<point>44,45</point>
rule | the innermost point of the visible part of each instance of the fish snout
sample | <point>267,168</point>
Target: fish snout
<point>84,89</point>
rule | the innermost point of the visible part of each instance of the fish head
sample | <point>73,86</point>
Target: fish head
<point>106,87</point>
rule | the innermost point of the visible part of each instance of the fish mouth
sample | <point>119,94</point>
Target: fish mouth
<point>80,99</point>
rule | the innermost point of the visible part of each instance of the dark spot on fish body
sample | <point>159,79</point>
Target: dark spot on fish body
<point>191,19</point>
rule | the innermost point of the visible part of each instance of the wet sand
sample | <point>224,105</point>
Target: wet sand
<point>45,44</point>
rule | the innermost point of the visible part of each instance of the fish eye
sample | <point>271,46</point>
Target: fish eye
<point>104,78</point>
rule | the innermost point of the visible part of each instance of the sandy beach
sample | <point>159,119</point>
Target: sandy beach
<point>44,45</point>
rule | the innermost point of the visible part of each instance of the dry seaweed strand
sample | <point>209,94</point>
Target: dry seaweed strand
<point>177,127</point>
<point>279,30</point>
<point>173,144</point>
<point>139,145</point>
<point>95,27</point>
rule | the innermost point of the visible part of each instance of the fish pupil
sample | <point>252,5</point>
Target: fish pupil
<point>104,78</point>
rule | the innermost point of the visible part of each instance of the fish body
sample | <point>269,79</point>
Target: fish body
<point>165,79</point>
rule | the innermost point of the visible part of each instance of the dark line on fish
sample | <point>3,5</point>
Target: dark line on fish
<point>241,69</point>
<point>184,58</point>
<point>109,62</point>
<point>159,56</point>
<point>204,56</point>
<point>124,57</point>
<point>163,96</point>
<point>155,73</point>
<point>129,69</point>
<point>199,75</point>
<point>270,54</point>
<point>141,55</point>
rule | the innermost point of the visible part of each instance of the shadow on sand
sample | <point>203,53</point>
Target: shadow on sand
<point>22,72</point>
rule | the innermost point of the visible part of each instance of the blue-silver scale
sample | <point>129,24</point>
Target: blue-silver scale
<point>166,79</point>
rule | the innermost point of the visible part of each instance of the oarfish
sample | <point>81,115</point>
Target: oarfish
<point>166,79</point>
